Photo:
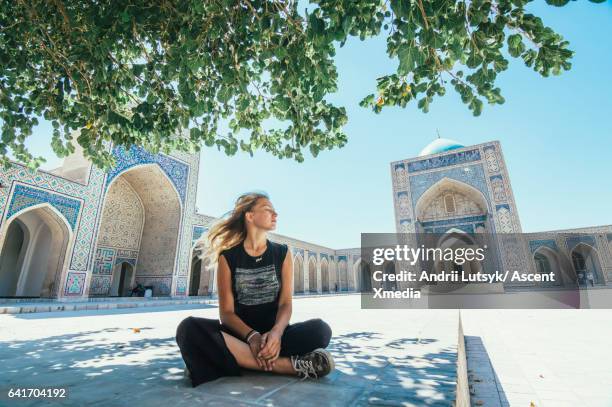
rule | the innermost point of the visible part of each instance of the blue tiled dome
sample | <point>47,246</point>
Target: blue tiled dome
<point>440,145</point>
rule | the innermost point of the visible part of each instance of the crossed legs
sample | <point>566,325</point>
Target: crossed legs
<point>244,357</point>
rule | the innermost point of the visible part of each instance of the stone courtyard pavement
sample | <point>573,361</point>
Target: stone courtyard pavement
<point>541,358</point>
<point>383,357</point>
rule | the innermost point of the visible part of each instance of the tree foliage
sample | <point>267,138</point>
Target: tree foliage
<point>168,74</point>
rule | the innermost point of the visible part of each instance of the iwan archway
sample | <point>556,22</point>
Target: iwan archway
<point>140,224</point>
<point>34,253</point>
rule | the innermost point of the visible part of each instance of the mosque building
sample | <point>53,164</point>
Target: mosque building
<point>463,194</point>
<point>77,231</point>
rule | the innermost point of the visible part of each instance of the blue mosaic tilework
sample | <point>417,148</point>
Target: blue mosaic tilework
<point>536,244</point>
<point>312,254</point>
<point>25,197</point>
<point>324,256</point>
<point>498,207</point>
<point>405,221</point>
<point>181,286</point>
<point>400,165</point>
<point>104,261</point>
<point>467,228</point>
<point>128,254</point>
<point>474,176</point>
<point>454,221</point>
<point>177,171</point>
<point>444,160</point>
<point>198,231</point>
<point>75,283</point>
<point>340,258</point>
<point>100,285</point>
<point>494,177</point>
<point>120,260</point>
<point>82,254</point>
<point>297,250</point>
<point>573,241</point>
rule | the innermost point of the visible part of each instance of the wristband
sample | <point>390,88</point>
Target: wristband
<point>250,335</point>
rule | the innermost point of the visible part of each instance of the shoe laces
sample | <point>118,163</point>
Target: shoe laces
<point>305,367</point>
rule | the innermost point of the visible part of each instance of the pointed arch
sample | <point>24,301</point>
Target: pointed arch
<point>455,238</point>
<point>312,275</point>
<point>446,184</point>
<point>158,243</point>
<point>587,265</point>
<point>325,287</point>
<point>36,266</point>
<point>298,273</point>
<point>546,261</point>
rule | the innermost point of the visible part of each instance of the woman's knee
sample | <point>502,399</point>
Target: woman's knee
<point>183,329</point>
<point>323,332</point>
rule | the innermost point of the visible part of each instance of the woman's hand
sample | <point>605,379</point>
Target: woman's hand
<point>256,343</point>
<point>270,348</point>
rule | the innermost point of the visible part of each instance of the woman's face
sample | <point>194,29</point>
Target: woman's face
<point>263,214</point>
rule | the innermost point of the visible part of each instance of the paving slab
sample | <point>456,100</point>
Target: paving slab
<point>383,357</point>
<point>539,358</point>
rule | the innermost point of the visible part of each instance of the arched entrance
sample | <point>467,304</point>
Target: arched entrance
<point>342,276</point>
<point>121,283</point>
<point>298,274</point>
<point>324,275</point>
<point>312,275</point>
<point>333,277</point>
<point>196,272</point>
<point>586,265</point>
<point>389,269</point>
<point>456,239</point>
<point>450,199</point>
<point>141,218</point>
<point>547,261</point>
<point>364,280</point>
<point>34,252</point>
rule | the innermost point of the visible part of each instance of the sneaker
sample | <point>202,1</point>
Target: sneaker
<point>315,364</point>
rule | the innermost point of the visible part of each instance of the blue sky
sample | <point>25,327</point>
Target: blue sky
<point>556,135</point>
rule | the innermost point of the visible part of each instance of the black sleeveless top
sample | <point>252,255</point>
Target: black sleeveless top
<point>256,283</point>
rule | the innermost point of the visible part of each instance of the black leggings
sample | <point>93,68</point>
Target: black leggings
<point>208,358</point>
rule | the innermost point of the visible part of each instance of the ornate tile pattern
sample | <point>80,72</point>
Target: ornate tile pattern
<point>25,196</point>
<point>176,170</point>
<point>82,254</point>
<point>573,241</point>
<point>536,244</point>
<point>472,175</point>
<point>198,231</point>
<point>105,260</point>
<point>460,157</point>
<point>75,283</point>
<point>100,285</point>
<point>122,217</point>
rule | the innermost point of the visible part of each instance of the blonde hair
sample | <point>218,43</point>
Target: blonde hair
<point>228,232</point>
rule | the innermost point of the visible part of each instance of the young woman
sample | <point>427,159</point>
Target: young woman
<point>255,286</point>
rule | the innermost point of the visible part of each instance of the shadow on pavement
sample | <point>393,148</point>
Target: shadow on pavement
<point>99,367</point>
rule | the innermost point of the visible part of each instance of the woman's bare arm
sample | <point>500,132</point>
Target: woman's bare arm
<point>284,302</point>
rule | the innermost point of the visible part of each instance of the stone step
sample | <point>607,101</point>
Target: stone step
<point>34,305</point>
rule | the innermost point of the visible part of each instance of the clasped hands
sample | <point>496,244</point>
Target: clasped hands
<point>266,348</point>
